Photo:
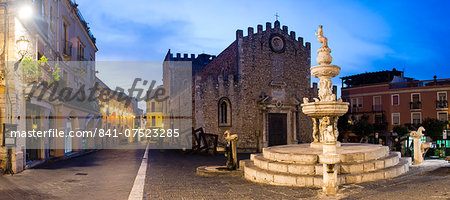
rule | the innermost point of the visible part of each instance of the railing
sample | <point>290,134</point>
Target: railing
<point>424,83</point>
<point>377,108</point>
<point>442,104</point>
<point>67,48</point>
<point>415,105</point>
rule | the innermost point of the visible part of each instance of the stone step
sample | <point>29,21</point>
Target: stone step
<point>256,174</point>
<point>390,172</point>
<point>390,160</point>
<point>316,169</point>
<point>279,166</point>
<point>303,154</point>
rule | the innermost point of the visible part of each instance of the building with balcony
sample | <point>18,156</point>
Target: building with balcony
<point>389,98</point>
<point>56,35</point>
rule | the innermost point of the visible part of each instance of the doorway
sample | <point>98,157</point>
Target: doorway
<point>277,129</point>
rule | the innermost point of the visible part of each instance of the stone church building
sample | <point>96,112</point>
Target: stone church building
<point>254,88</point>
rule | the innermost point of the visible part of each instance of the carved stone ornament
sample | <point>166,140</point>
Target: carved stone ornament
<point>277,43</point>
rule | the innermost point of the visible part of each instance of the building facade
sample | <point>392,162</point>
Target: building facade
<point>389,97</point>
<point>155,113</point>
<point>253,88</point>
<point>55,32</point>
<point>119,114</point>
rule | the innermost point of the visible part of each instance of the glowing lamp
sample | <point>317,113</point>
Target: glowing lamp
<point>22,45</point>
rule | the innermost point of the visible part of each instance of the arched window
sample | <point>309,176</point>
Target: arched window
<point>224,112</point>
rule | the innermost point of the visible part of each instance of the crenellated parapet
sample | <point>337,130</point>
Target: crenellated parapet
<point>220,85</point>
<point>190,57</point>
<point>269,30</point>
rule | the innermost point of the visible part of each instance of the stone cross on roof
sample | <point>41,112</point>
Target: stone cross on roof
<point>276,16</point>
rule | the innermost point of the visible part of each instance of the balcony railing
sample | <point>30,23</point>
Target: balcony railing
<point>67,48</point>
<point>414,83</point>
<point>415,105</point>
<point>442,104</point>
<point>376,108</point>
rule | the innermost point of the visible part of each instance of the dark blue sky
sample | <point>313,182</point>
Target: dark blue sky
<point>364,36</point>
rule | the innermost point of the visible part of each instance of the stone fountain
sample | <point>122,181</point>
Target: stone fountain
<point>327,111</point>
<point>324,163</point>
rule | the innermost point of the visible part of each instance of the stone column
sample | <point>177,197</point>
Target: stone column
<point>330,159</point>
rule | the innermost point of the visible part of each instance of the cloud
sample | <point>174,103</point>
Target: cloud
<point>364,36</point>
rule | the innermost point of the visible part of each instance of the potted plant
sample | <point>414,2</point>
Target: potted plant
<point>32,69</point>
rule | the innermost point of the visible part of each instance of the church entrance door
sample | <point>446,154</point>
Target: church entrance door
<point>277,129</point>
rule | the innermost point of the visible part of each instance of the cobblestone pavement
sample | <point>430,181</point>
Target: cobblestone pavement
<point>171,175</point>
<point>106,174</point>
<point>416,184</point>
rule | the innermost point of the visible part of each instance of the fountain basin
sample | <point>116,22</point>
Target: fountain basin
<point>325,70</point>
<point>325,108</point>
<point>302,166</point>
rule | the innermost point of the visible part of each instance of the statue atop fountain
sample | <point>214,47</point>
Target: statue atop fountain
<point>322,39</point>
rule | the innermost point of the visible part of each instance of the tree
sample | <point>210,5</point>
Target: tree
<point>363,128</point>
<point>400,130</point>
<point>381,126</point>
<point>343,124</point>
<point>433,128</point>
<point>402,133</point>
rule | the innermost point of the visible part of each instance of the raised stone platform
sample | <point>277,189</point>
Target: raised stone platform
<point>217,171</point>
<point>432,164</point>
<point>300,165</point>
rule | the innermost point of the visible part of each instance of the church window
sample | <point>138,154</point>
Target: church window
<point>224,112</point>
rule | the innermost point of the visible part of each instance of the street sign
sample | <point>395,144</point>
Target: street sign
<point>8,139</point>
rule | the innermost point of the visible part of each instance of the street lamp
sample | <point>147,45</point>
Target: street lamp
<point>25,12</point>
<point>22,45</point>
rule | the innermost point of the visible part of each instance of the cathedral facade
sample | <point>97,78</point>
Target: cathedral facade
<point>254,89</point>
